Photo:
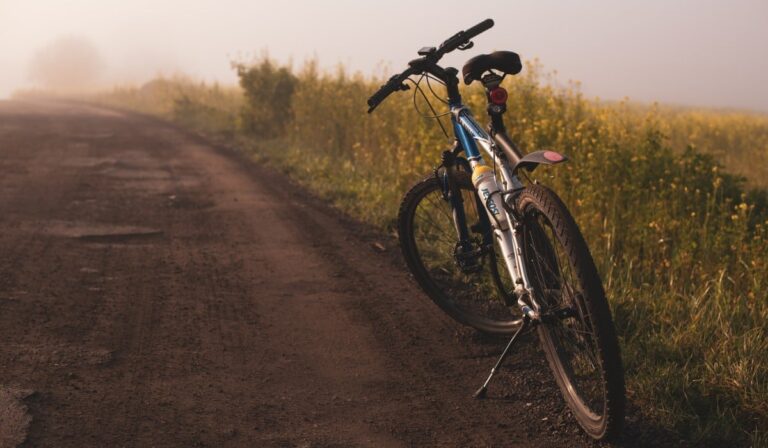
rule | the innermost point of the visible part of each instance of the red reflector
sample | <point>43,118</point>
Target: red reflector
<point>498,96</point>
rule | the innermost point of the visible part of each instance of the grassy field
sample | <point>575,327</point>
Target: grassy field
<point>671,200</point>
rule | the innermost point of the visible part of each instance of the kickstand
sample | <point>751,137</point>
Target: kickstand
<point>481,393</point>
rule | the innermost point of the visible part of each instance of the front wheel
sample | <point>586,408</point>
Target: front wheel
<point>577,332</point>
<point>473,287</point>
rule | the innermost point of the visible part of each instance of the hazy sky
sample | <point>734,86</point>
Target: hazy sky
<point>697,52</point>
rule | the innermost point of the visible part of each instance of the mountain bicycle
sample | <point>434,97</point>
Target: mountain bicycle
<point>500,252</point>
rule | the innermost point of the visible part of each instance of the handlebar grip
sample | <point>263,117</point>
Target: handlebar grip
<point>380,95</point>
<point>462,37</point>
<point>394,84</point>
<point>485,25</point>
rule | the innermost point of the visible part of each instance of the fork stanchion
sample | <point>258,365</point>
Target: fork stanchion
<point>483,391</point>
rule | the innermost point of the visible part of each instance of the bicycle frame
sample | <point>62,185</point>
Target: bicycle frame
<point>469,133</point>
<point>500,149</point>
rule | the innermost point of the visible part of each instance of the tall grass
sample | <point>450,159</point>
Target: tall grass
<point>208,108</point>
<point>680,237</point>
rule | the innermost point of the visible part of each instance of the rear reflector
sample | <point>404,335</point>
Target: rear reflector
<point>498,96</point>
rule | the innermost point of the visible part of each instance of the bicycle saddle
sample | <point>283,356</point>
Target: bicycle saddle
<point>505,61</point>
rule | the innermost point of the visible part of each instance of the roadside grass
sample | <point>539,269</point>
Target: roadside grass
<point>679,235</point>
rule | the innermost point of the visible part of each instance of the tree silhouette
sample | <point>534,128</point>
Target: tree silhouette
<point>67,64</point>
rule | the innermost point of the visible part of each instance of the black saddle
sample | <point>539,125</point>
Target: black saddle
<point>505,61</point>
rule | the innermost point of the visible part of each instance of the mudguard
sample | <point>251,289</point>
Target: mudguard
<point>532,160</point>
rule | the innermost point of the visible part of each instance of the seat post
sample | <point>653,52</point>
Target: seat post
<point>497,118</point>
<point>497,105</point>
<point>497,101</point>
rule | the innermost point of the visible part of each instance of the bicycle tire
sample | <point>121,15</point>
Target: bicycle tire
<point>435,288</point>
<point>590,328</point>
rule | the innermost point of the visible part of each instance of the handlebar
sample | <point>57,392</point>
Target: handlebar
<point>463,37</point>
<point>431,56</point>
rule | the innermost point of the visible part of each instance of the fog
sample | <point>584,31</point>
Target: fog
<point>689,52</point>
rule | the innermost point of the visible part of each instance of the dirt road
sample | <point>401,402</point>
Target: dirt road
<point>158,291</point>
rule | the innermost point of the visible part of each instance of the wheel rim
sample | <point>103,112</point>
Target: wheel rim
<point>568,332</point>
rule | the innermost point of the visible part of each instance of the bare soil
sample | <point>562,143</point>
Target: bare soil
<point>157,290</point>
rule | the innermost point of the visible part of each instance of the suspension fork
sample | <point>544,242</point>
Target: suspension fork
<point>452,194</point>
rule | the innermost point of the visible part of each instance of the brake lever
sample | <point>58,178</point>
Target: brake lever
<point>401,86</point>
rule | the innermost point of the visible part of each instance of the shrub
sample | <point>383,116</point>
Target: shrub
<point>268,89</point>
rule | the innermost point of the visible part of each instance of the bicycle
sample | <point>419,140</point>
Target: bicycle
<point>501,253</point>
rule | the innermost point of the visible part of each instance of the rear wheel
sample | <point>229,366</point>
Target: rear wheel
<point>473,288</point>
<point>577,332</point>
